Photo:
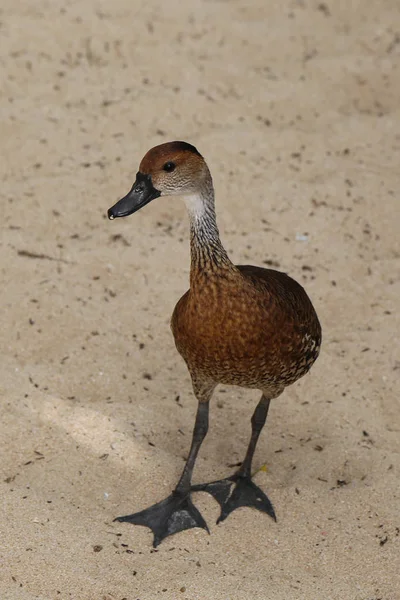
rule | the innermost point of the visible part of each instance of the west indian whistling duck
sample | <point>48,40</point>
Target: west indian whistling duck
<point>236,325</point>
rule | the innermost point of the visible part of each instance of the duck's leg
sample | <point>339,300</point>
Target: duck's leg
<point>238,490</point>
<point>177,512</point>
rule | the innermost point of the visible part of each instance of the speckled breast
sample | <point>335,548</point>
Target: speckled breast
<point>245,337</point>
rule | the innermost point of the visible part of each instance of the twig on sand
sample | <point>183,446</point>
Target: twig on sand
<point>40,256</point>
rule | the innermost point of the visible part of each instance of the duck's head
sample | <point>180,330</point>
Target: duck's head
<point>171,169</point>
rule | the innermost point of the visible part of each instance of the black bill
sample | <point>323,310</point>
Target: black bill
<point>142,193</point>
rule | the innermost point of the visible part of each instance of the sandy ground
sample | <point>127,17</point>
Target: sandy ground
<point>296,107</point>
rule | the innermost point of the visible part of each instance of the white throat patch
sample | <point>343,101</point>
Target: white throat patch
<point>195,205</point>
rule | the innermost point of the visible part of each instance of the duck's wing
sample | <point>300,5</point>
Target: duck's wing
<point>271,280</point>
<point>280,289</point>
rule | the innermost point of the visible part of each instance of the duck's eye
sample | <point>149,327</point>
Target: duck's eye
<point>169,166</point>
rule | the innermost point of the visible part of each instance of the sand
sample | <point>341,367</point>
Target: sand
<point>295,106</point>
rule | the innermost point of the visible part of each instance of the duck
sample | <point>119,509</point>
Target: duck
<point>237,325</point>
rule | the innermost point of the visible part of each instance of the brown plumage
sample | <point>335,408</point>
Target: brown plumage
<point>254,327</point>
<point>236,325</point>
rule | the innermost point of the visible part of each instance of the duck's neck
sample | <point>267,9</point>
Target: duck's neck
<point>207,252</point>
